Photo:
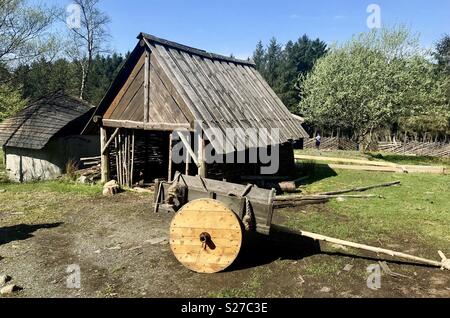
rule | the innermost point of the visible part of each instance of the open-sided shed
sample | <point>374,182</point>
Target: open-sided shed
<point>39,141</point>
<point>165,87</point>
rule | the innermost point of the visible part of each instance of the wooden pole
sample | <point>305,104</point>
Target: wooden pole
<point>362,189</point>
<point>124,171</point>
<point>104,156</point>
<point>201,157</point>
<point>119,155</point>
<point>117,158</point>
<point>113,136</point>
<point>132,158</point>
<point>169,178</point>
<point>129,159</point>
<point>442,264</point>
<point>188,159</point>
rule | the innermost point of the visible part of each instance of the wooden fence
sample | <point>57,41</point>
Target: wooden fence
<point>432,149</point>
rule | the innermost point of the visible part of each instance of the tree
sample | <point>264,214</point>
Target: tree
<point>23,32</point>
<point>89,39</point>
<point>282,66</point>
<point>370,82</point>
<point>442,53</point>
<point>259,57</point>
<point>272,62</point>
<point>44,77</point>
<point>298,60</point>
<point>24,37</point>
<point>104,70</point>
<point>10,101</point>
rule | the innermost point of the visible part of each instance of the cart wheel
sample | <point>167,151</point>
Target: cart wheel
<point>206,236</point>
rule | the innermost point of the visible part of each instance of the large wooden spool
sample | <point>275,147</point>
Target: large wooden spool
<point>206,236</point>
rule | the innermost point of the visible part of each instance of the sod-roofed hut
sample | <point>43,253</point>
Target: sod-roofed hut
<point>165,87</point>
<point>39,141</point>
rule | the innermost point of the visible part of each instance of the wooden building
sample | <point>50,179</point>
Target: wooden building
<point>40,140</point>
<point>165,87</point>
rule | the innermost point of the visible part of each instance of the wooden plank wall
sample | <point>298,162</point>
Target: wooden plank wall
<point>129,103</point>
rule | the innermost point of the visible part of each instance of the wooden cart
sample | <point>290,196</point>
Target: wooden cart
<point>212,217</point>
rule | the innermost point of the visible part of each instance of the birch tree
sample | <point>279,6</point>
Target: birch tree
<point>88,38</point>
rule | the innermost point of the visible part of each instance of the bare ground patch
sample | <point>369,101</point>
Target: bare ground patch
<point>122,249</point>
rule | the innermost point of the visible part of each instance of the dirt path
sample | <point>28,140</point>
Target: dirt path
<point>122,250</point>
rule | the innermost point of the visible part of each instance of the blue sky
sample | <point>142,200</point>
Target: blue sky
<point>235,26</point>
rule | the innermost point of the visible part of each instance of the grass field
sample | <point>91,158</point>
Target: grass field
<point>418,209</point>
<point>413,217</point>
<point>398,159</point>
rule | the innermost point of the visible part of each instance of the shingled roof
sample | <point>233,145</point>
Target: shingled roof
<point>218,91</point>
<point>43,119</point>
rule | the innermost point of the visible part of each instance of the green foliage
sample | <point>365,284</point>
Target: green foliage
<point>272,62</point>
<point>104,70</point>
<point>259,56</point>
<point>442,53</point>
<point>23,31</point>
<point>10,101</point>
<point>282,66</point>
<point>44,77</point>
<point>373,81</point>
<point>298,60</point>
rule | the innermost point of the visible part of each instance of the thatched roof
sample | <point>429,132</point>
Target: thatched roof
<point>34,126</point>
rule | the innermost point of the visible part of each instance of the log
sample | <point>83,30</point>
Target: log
<point>104,157</point>
<point>362,189</point>
<point>169,177</point>
<point>299,203</point>
<point>132,158</point>
<point>443,264</point>
<point>303,200</point>
<point>301,197</point>
<point>113,136</point>
<point>201,157</point>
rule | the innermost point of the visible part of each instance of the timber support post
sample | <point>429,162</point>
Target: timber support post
<point>104,155</point>
<point>201,157</point>
<point>169,178</point>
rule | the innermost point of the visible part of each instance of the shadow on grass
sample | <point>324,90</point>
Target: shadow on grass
<point>314,172</point>
<point>22,232</point>
<point>284,244</point>
<point>409,159</point>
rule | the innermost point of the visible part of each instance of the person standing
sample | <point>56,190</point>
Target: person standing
<point>318,141</point>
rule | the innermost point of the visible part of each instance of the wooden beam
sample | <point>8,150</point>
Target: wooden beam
<point>201,157</point>
<point>147,87</point>
<point>109,141</point>
<point>169,178</point>
<point>132,159</point>
<point>189,148</point>
<point>187,163</point>
<point>129,124</point>
<point>104,156</point>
